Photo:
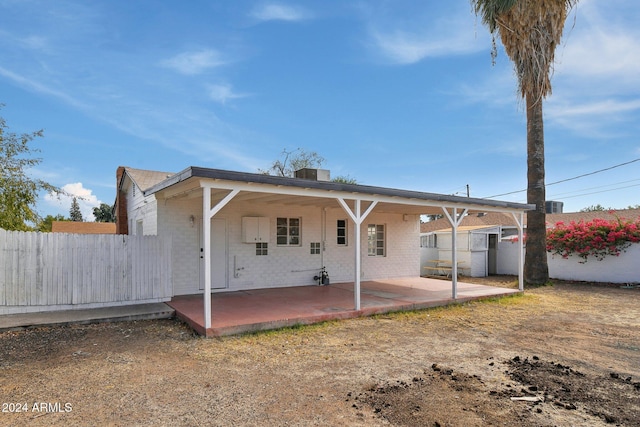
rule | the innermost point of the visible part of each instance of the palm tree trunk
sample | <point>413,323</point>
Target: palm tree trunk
<point>536,270</point>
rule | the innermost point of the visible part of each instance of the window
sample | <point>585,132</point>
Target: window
<point>288,233</point>
<point>342,232</point>
<point>430,241</point>
<point>262,248</point>
<point>315,248</point>
<point>376,240</point>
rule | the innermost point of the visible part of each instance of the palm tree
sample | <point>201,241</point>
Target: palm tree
<point>530,30</point>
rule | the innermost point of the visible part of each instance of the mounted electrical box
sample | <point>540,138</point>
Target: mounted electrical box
<point>255,229</point>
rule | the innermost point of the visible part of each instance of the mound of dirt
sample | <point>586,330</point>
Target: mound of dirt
<point>440,395</point>
<point>614,398</point>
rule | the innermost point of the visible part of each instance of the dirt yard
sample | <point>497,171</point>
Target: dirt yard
<point>562,355</point>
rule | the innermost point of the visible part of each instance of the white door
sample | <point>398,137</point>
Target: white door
<point>219,257</point>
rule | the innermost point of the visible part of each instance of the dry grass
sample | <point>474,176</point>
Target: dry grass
<point>159,373</point>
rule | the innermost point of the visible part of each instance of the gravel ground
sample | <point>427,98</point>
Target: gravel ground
<point>561,355</point>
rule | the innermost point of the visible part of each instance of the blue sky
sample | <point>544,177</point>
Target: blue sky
<point>398,94</point>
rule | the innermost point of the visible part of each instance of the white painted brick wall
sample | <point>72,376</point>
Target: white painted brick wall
<point>285,266</point>
<point>173,219</point>
<point>402,248</point>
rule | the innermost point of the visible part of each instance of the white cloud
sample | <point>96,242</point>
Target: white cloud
<point>85,197</point>
<point>38,87</point>
<point>402,47</point>
<point>223,92</point>
<point>612,55</point>
<point>600,108</point>
<point>597,119</point>
<point>598,71</point>
<point>34,42</point>
<point>191,63</point>
<point>279,12</point>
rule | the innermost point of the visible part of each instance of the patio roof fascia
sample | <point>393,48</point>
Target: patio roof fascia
<point>258,183</point>
<point>230,180</point>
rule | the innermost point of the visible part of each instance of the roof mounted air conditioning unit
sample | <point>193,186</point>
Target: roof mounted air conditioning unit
<point>552,207</point>
<point>313,174</point>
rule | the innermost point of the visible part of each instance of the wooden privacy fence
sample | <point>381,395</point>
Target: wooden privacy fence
<point>54,271</point>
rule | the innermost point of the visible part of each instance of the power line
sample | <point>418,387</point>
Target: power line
<point>597,188</point>
<point>588,194</point>
<point>593,173</point>
<point>570,179</point>
<point>601,191</point>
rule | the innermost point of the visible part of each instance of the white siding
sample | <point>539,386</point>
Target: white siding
<point>462,241</point>
<point>478,264</point>
<point>508,258</point>
<point>141,209</point>
<point>472,249</point>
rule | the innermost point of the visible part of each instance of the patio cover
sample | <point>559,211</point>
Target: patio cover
<point>219,187</point>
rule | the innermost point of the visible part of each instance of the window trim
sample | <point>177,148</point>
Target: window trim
<point>289,229</point>
<point>346,232</point>
<point>262,248</point>
<point>375,248</point>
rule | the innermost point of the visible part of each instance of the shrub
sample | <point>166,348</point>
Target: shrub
<point>598,238</point>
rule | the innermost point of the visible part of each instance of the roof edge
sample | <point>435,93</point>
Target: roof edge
<point>225,175</point>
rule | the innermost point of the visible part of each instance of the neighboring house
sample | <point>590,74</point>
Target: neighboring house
<point>234,231</point>
<point>477,241</point>
<point>476,246</point>
<point>479,236</point>
<point>505,221</point>
<point>628,214</point>
<point>76,227</point>
<point>129,197</point>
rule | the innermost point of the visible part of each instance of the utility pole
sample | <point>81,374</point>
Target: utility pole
<point>468,192</point>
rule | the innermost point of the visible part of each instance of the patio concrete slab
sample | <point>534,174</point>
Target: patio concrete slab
<point>262,309</point>
<point>91,315</point>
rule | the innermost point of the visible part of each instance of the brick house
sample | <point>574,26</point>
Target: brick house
<point>233,231</point>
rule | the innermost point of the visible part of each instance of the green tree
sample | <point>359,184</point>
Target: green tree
<point>345,179</point>
<point>103,213</point>
<point>46,223</point>
<point>74,211</point>
<point>18,191</point>
<point>530,30</point>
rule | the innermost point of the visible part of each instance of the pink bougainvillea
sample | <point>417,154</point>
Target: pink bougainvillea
<point>597,238</point>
